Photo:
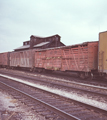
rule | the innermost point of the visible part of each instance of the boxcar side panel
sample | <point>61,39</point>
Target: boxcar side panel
<point>53,59</point>
<point>93,56</point>
<point>21,59</point>
<point>40,57</point>
<point>48,59</point>
<point>80,58</point>
<point>75,59</point>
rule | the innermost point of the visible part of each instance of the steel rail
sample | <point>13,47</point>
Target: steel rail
<point>86,104</point>
<point>21,81</point>
<point>67,81</point>
<point>56,110</point>
<point>68,86</point>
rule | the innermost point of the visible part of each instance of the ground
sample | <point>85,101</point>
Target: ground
<point>12,109</point>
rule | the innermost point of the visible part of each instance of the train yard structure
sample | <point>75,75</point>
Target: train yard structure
<point>37,42</point>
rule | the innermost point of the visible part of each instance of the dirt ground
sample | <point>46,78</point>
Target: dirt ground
<point>12,109</point>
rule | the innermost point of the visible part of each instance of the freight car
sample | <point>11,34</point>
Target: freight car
<point>102,54</point>
<point>22,59</point>
<point>5,59</point>
<point>86,59</point>
<point>80,58</point>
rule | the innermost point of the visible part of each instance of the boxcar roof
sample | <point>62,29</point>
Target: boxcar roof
<point>81,44</point>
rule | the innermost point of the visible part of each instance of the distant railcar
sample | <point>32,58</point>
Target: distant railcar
<point>81,58</point>
<point>4,59</point>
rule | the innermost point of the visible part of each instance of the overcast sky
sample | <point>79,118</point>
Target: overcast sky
<point>76,21</point>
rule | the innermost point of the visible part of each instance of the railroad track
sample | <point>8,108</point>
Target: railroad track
<point>59,75</point>
<point>64,84</point>
<point>94,93</point>
<point>68,109</point>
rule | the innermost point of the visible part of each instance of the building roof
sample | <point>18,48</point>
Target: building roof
<point>41,44</point>
<point>23,47</point>
<point>44,37</point>
<point>28,46</point>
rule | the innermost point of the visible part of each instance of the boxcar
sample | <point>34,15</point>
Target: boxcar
<point>4,59</point>
<point>102,56</point>
<point>81,58</point>
<point>22,59</point>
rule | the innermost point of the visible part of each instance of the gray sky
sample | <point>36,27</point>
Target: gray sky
<point>76,21</point>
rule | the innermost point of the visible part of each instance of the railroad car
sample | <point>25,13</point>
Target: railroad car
<point>22,59</point>
<point>4,59</point>
<point>80,58</point>
<point>102,55</point>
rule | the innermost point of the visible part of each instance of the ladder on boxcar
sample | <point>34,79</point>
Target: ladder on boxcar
<point>100,61</point>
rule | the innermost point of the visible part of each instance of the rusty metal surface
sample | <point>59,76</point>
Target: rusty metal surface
<point>81,57</point>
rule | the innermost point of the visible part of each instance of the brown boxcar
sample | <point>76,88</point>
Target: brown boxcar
<point>22,59</point>
<point>4,59</point>
<point>81,57</point>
